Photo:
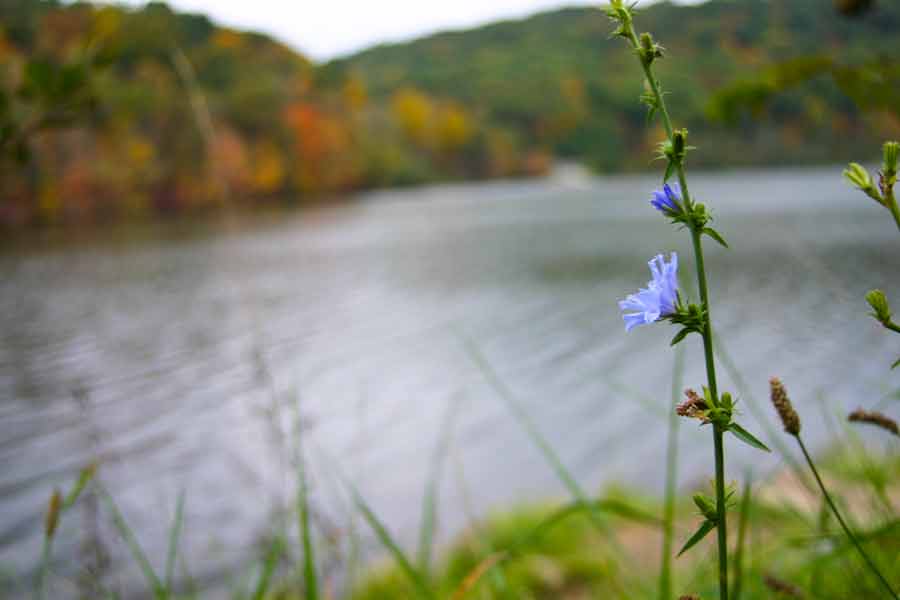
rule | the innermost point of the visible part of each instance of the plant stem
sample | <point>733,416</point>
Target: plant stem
<point>721,526</point>
<point>892,326</point>
<point>891,203</point>
<point>696,232</point>
<point>869,562</point>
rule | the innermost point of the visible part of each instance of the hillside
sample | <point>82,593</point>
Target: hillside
<point>556,79</point>
<point>110,113</point>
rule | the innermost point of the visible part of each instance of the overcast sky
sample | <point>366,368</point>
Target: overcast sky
<point>324,29</point>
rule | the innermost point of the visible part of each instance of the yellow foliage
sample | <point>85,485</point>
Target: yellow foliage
<point>268,170</point>
<point>228,39</point>
<point>454,128</point>
<point>107,22</point>
<point>415,113</point>
<point>355,93</point>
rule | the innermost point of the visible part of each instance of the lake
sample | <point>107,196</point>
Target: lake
<point>184,362</point>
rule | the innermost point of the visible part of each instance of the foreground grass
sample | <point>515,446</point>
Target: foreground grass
<point>792,548</point>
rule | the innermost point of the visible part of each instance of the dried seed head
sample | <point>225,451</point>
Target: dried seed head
<point>874,418</point>
<point>53,508</point>
<point>780,586</point>
<point>782,403</point>
<point>693,407</point>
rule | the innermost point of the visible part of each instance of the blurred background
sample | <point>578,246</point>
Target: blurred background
<point>228,226</point>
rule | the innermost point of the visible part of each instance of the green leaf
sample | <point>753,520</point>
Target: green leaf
<point>704,529</point>
<point>896,362</point>
<point>747,437</point>
<point>680,336</point>
<point>715,235</point>
<point>670,168</point>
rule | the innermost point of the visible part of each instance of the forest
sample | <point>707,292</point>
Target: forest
<point>109,113</point>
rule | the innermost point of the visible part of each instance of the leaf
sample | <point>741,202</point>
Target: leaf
<point>670,168</point>
<point>896,362</point>
<point>715,235</point>
<point>747,437</point>
<point>680,336</point>
<point>174,534</point>
<point>704,529</point>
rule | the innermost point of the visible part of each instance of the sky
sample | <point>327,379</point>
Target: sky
<point>325,29</point>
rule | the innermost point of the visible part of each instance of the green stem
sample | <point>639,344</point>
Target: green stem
<point>869,562</point>
<point>721,525</point>
<point>891,203</point>
<point>892,326</point>
<point>718,432</point>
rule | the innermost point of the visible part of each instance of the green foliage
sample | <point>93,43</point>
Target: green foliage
<point>553,80</point>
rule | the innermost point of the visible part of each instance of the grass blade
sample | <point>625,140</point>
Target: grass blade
<point>528,425</point>
<point>761,416</point>
<point>174,535</point>
<point>265,576</point>
<point>476,574</point>
<point>665,572</point>
<point>429,501</point>
<point>742,539</point>
<point>309,560</point>
<point>159,591</point>
<point>388,542</point>
<point>615,507</point>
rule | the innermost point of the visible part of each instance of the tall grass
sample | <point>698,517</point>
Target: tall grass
<point>665,572</point>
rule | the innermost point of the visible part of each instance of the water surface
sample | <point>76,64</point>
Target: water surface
<point>182,363</point>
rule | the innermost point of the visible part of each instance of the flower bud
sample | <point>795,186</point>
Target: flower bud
<point>857,175</point>
<point>881,310</point>
<point>891,152</point>
<point>888,173</point>
<point>53,510</point>
<point>649,49</point>
<point>783,406</point>
<point>874,418</point>
<point>706,506</point>
<point>679,143</point>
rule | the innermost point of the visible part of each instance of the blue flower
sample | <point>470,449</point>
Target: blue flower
<point>667,200</point>
<point>660,297</point>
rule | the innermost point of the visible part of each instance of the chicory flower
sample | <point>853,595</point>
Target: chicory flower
<point>658,299</point>
<point>667,200</point>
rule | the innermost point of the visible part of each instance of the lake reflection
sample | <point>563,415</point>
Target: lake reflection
<point>180,363</point>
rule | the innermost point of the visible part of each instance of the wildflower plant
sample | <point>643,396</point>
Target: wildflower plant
<point>661,299</point>
<point>791,421</point>
<point>884,195</point>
